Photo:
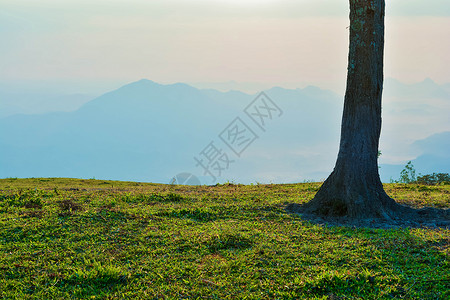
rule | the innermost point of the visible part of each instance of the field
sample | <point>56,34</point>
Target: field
<point>93,239</point>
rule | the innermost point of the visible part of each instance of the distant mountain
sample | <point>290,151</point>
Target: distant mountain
<point>425,89</point>
<point>411,112</point>
<point>146,131</point>
<point>434,154</point>
<point>446,87</point>
<point>433,157</point>
<point>36,103</point>
<point>437,144</point>
<point>150,132</point>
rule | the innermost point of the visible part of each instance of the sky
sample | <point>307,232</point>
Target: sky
<point>289,43</point>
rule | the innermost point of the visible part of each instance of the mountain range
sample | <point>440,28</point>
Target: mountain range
<point>145,131</point>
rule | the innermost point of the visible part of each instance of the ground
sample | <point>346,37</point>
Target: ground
<point>94,239</point>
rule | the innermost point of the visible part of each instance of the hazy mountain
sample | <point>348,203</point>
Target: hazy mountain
<point>446,87</point>
<point>433,156</point>
<point>37,103</point>
<point>415,127</point>
<point>425,89</point>
<point>38,96</point>
<point>146,131</point>
<point>438,144</point>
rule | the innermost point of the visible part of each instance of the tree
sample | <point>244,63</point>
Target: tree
<point>354,188</point>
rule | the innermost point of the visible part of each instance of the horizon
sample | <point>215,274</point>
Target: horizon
<point>61,87</point>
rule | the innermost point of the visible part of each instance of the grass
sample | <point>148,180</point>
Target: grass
<point>94,239</point>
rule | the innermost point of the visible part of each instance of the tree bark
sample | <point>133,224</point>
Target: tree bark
<point>354,187</point>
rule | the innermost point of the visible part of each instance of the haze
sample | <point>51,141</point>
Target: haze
<point>274,43</point>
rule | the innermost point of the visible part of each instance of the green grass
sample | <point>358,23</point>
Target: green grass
<point>94,239</point>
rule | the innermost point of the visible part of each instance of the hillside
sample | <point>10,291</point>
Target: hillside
<point>79,239</point>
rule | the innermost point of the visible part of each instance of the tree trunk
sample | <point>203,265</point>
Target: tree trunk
<point>354,188</point>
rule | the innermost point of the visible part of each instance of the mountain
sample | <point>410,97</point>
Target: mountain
<point>23,102</point>
<point>446,87</point>
<point>411,112</point>
<point>433,156</point>
<point>424,89</point>
<point>146,131</point>
<point>437,144</point>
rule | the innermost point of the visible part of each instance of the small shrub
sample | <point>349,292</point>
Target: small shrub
<point>407,175</point>
<point>433,179</point>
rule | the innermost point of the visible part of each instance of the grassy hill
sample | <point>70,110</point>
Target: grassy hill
<point>94,239</point>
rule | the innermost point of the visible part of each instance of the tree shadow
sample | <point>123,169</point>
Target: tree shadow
<point>401,216</point>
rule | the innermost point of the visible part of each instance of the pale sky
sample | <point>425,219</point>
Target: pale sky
<point>290,43</point>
